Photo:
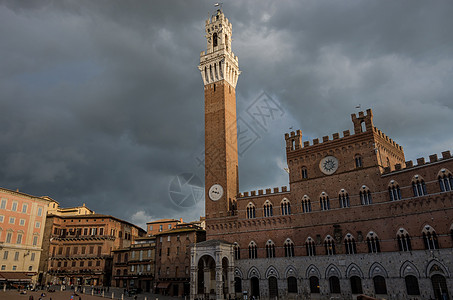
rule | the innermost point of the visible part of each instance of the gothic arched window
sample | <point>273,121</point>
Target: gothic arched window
<point>310,247</point>
<point>365,196</point>
<point>289,248</point>
<point>430,238</point>
<point>358,161</point>
<point>324,201</point>
<point>253,250</point>
<point>350,244</point>
<point>306,204</point>
<point>270,249</point>
<point>445,180</point>
<point>304,172</point>
<point>418,186</point>
<point>329,245</point>
<point>268,212</point>
<point>373,243</point>
<point>285,207</point>
<point>251,211</point>
<point>404,240</point>
<point>343,197</point>
<point>394,191</point>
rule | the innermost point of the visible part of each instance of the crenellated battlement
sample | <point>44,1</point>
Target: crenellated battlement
<point>261,192</point>
<point>433,158</point>
<point>362,123</point>
<point>387,139</point>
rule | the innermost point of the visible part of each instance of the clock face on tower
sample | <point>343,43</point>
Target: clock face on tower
<point>215,192</point>
<point>328,165</point>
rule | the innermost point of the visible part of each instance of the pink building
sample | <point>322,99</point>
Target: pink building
<point>22,221</point>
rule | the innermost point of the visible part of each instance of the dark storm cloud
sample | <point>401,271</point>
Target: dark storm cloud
<point>102,102</point>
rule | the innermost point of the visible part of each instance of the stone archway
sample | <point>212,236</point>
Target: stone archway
<point>211,270</point>
<point>206,275</point>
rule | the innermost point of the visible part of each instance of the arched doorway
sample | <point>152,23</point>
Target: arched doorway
<point>273,287</point>
<point>255,285</point>
<point>206,276</point>
<point>440,287</point>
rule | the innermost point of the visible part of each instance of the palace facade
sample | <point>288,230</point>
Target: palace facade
<point>357,217</point>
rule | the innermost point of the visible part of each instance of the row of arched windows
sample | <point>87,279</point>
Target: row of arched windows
<point>445,179</point>
<point>403,239</point>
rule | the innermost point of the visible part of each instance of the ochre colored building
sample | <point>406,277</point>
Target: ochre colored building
<point>80,250</point>
<point>22,221</point>
<point>357,217</point>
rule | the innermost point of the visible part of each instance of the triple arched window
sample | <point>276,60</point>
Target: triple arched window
<point>418,186</point>
<point>270,249</point>
<point>324,201</point>
<point>285,207</point>
<point>310,247</point>
<point>251,212</point>
<point>329,245</point>
<point>430,238</point>
<point>343,197</point>
<point>306,204</point>
<point>365,195</point>
<point>289,248</point>
<point>350,244</point>
<point>394,191</point>
<point>253,250</point>
<point>268,211</point>
<point>404,240</point>
<point>373,243</point>
<point>445,180</point>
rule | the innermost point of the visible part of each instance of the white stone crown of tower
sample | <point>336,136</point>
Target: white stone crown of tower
<point>218,62</point>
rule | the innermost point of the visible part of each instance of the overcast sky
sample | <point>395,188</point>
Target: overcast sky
<point>102,102</point>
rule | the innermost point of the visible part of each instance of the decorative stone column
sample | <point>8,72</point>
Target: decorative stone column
<point>218,282</point>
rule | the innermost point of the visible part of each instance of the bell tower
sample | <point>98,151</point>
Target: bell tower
<point>219,71</point>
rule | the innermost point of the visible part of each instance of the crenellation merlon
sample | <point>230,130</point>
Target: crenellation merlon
<point>260,192</point>
<point>433,158</point>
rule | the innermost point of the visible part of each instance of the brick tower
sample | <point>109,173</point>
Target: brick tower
<point>220,71</point>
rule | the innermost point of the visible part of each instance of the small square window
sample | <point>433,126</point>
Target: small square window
<point>22,222</point>
<point>12,220</point>
<point>38,224</point>
<point>1,219</point>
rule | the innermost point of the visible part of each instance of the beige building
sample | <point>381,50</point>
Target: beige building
<point>80,247</point>
<point>22,221</point>
<point>55,209</point>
